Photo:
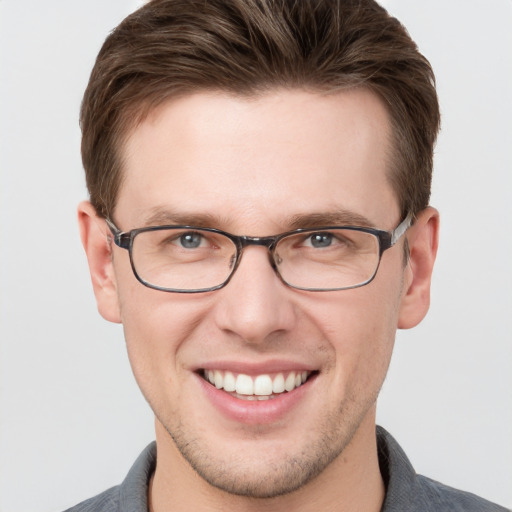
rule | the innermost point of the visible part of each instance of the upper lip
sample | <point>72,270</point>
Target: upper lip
<point>257,368</point>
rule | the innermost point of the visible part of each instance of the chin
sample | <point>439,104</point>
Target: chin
<point>264,469</point>
<point>262,478</point>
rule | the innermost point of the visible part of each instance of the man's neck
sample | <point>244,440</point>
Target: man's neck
<point>351,482</point>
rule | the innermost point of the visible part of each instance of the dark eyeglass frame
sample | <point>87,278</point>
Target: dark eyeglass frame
<point>386,239</point>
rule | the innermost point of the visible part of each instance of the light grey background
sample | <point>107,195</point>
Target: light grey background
<point>71,417</point>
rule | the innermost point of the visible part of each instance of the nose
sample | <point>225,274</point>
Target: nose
<point>255,305</point>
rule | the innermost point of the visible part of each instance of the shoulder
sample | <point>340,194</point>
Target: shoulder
<point>440,497</point>
<point>131,495</point>
<point>406,490</point>
<point>107,501</point>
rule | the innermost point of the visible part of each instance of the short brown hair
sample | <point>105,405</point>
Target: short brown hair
<point>247,47</point>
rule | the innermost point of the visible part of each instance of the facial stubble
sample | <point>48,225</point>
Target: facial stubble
<point>261,479</point>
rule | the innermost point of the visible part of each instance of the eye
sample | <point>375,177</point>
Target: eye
<point>338,239</point>
<point>191,240</point>
<point>319,240</point>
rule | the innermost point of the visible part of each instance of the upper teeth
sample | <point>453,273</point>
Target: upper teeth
<point>260,385</point>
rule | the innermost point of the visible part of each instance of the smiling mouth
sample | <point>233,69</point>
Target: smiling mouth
<point>259,387</point>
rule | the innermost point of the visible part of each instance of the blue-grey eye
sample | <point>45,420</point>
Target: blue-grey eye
<point>321,240</point>
<point>191,240</point>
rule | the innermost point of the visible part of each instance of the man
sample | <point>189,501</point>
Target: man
<point>259,174</point>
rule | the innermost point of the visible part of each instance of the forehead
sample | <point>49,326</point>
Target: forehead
<point>262,159</point>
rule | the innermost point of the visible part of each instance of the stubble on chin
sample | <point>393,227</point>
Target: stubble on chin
<point>265,477</point>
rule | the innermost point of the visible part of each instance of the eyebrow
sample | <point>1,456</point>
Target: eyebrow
<point>339,217</point>
<point>162,217</point>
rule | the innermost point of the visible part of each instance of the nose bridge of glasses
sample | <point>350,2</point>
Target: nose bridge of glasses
<point>265,241</point>
<point>261,241</point>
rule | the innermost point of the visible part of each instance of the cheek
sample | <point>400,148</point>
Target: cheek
<point>360,329</point>
<point>156,325</point>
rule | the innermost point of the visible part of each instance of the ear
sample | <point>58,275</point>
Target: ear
<point>423,239</point>
<point>94,234</point>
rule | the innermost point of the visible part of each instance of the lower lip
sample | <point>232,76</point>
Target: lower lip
<point>255,412</point>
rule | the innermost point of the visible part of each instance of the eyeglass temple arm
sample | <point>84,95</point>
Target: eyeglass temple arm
<point>120,239</point>
<point>398,232</point>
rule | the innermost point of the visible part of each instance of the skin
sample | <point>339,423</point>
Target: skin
<point>249,166</point>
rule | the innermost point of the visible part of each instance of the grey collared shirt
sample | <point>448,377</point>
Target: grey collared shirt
<point>405,490</point>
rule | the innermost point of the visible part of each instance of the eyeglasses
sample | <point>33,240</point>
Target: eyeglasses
<point>187,259</point>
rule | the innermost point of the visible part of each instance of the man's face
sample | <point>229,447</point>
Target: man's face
<point>251,167</point>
